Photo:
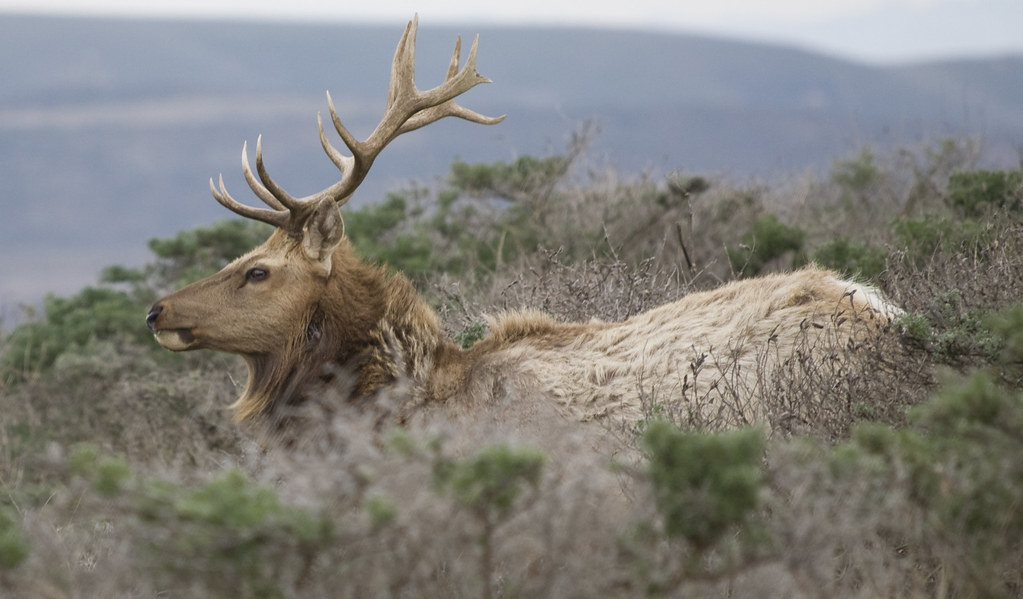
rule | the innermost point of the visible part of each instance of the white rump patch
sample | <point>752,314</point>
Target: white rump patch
<point>874,298</point>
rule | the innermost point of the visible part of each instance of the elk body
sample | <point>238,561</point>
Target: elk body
<point>302,308</point>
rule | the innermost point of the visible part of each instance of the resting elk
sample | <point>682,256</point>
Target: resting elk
<point>303,306</point>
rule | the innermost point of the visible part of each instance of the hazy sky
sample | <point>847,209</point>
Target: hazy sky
<point>874,30</point>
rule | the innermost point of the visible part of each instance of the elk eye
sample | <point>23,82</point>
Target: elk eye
<point>255,275</point>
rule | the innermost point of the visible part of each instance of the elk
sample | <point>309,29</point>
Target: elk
<point>303,306</point>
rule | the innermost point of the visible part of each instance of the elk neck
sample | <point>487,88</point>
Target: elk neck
<point>364,330</point>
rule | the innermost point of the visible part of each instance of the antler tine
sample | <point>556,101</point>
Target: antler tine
<point>345,164</point>
<point>403,67</point>
<point>456,57</point>
<point>272,217</point>
<point>407,109</point>
<point>262,192</point>
<point>285,211</point>
<point>469,79</point>
<point>281,197</point>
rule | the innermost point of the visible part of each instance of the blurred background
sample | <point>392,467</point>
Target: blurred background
<point>114,114</point>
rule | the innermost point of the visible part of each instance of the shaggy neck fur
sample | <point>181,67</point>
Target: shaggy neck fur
<point>366,323</point>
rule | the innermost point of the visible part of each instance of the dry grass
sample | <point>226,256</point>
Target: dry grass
<point>583,530</point>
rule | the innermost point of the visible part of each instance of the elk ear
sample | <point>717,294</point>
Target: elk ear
<point>323,231</point>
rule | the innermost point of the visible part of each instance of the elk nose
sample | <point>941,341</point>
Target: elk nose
<point>154,313</point>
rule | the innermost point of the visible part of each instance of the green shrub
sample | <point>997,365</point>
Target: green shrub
<point>234,505</point>
<point>108,474</point>
<point>768,240</point>
<point>472,333</point>
<point>851,257</point>
<point>956,333</point>
<point>962,464</point>
<point>13,544</point>
<point>68,325</point>
<point>489,483</point>
<point>980,193</point>
<point>922,239</point>
<point>491,213</point>
<point>706,486</point>
<point>860,176</point>
<point>916,328</point>
<point>1007,327</point>
<point>229,536</point>
<point>381,511</point>
<point>525,179</point>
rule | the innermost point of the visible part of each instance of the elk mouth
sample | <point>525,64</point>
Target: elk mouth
<point>176,339</point>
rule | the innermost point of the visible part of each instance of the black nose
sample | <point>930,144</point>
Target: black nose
<point>154,313</point>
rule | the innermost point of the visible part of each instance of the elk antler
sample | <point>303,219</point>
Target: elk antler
<point>408,109</point>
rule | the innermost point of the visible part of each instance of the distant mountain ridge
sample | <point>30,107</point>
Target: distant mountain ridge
<point>109,129</point>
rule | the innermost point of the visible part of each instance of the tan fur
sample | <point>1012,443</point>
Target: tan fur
<point>712,349</point>
<point>300,328</point>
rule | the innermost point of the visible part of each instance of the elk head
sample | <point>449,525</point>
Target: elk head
<point>265,303</point>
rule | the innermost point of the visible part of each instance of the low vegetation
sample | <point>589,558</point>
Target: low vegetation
<point>122,475</point>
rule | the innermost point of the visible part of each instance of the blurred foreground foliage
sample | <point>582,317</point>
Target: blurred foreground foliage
<point>122,475</point>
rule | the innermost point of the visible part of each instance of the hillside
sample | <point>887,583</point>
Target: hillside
<point>110,129</point>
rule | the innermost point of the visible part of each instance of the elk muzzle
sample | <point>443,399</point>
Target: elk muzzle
<point>180,339</point>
